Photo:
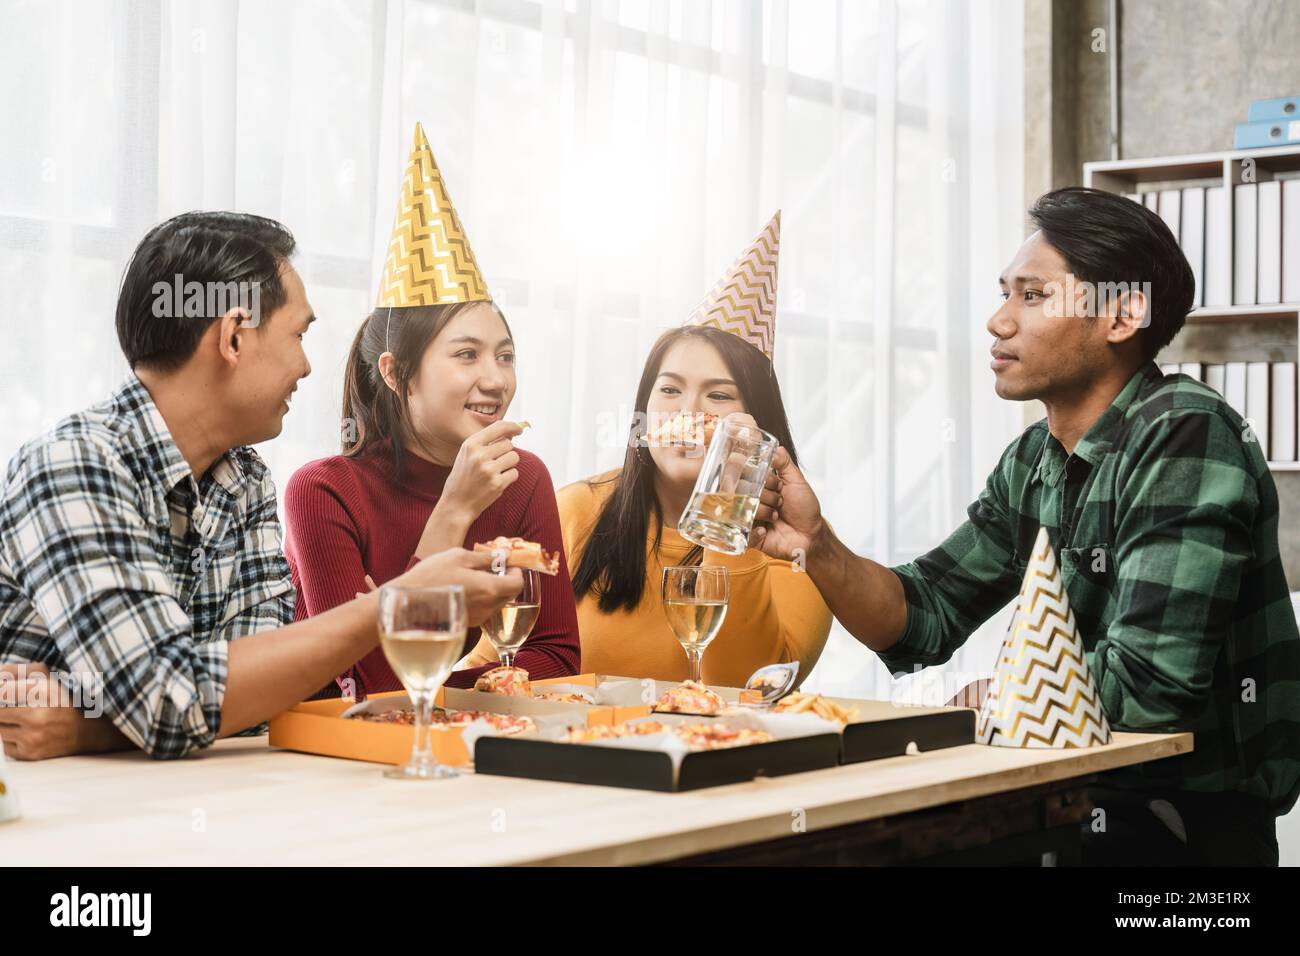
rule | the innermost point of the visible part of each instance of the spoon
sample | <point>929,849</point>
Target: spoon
<point>769,684</point>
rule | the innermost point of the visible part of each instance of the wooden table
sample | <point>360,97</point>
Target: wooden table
<point>243,803</point>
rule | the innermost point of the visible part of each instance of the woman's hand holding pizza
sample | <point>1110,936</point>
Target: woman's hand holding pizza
<point>486,465</point>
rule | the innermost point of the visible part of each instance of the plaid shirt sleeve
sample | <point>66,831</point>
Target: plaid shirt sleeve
<point>963,582</point>
<point>84,554</point>
<point>262,595</point>
<point>1185,506</point>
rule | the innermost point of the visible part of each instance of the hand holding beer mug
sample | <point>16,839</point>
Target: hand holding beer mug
<point>721,509</point>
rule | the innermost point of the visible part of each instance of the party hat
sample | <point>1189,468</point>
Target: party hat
<point>1044,695</point>
<point>429,260</point>
<point>744,300</point>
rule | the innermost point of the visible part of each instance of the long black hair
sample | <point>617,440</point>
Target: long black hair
<point>613,561</point>
<point>372,411</point>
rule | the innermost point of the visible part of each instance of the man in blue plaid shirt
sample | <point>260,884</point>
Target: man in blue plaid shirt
<point>1159,502</point>
<point>140,551</point>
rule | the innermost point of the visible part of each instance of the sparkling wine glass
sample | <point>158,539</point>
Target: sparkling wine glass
<point>422,632</point>
<point>509,626</point>
<point>695,603</point>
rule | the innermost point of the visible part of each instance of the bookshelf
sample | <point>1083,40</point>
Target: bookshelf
<point>1230,325</point>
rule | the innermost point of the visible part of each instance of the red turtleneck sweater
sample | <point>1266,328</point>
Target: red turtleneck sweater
<point>349,517</point>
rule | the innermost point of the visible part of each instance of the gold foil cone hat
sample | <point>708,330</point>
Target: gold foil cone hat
<point>744,300</point>
<point>429,259</point>
<point>1044,695</point>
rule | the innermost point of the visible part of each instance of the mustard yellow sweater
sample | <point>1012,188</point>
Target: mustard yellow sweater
<point>775,613</point>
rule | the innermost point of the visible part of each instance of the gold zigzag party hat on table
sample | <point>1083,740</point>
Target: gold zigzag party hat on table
<point>744,300</point>
<point>429,260</point>
<point>1044,695</point>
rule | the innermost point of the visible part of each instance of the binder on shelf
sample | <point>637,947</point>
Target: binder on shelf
<point>1291,240</point>
<point>1214,377</point>
<point>1282,436</point>
<point>1192,370</point>
<point>1269,288</point>
<point>1234,386</point>
<point>1151,201</point>
<point>1170,368</point>
<point>1257,403</point>
<point>1279,107</point>
<point>1218,258</point>
<point>1192,238</point>
<point>1169,208</point>
<point>1244,252</point>
<point>1136,197</point>
<point>1281,132</point>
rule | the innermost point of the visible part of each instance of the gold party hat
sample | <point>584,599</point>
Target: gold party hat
<point>744,300</point>
<point>1044,695</point>
<point>429,260</point>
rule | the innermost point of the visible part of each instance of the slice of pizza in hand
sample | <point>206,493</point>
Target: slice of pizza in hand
<point>511,681</point>
<point>690,698</point>
<point>684,428</point>
<point>523,554</point>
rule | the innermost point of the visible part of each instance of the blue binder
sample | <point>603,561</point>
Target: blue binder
<point>1268,133</point>
<point>1283,107</point>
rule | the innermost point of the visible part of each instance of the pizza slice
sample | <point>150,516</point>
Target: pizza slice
<point>523,554</point>
<point>691,698</point>
<point>563,697</point>
<point>683,428</point>
<point>715,736</point>
<point>584,735</point>
<point>510,681</point>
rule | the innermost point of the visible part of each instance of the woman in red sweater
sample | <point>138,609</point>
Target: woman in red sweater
<point>427,465</point>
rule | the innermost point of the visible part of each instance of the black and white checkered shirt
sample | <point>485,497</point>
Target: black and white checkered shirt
<point>116,563</point>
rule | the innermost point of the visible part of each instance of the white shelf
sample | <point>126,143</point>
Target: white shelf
<point>1284,466</point>
<point>1231,313</point>
<point>1269,159</point>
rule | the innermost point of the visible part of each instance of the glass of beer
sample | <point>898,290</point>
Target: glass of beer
<point>509,626</point>
<point>695,603</point>
<point>721,509</point>
<point>422,632</point>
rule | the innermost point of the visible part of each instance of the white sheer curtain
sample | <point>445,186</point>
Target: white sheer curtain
<point>608,158</point>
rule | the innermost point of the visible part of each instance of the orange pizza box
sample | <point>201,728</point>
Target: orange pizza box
<point>318,727</point>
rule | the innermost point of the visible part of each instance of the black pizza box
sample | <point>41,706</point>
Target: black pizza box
<point>885,729</point>
<point>641,767</point>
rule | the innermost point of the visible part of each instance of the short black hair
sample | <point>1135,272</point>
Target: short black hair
<point>1107,238</point>
<point>204,247</point>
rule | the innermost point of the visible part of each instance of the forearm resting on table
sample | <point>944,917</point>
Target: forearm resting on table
<point>270,672</point>
<point>866,597</point>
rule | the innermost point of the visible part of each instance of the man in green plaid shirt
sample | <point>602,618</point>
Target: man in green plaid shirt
<point>1160,505</point>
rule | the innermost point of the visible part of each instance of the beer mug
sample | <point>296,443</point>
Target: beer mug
<point>720,513</point>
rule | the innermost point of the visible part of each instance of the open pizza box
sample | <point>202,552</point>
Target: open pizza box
<point>881,728</point>
<point>662,761</point>
<point>319,726</point>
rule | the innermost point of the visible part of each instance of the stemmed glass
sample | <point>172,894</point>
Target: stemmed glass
<point>422,632</point>
<point>695,603</point>
<point>509,626</point>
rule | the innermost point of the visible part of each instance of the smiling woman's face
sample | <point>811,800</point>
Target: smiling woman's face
<point>466,379</point>
<point>692,377</point>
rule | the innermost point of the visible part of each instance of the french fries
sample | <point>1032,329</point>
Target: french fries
<point>800,703</point>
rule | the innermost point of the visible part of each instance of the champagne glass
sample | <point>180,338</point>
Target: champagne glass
<point>422,632</point>
<point>695,603</point>
<point>721,509</point>
<point>509,626</point>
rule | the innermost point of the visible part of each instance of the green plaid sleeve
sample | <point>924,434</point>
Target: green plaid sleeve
<point>1186,503</point>
<point>963,582</point>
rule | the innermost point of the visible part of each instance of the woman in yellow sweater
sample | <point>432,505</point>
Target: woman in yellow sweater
<point>620,528</point>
